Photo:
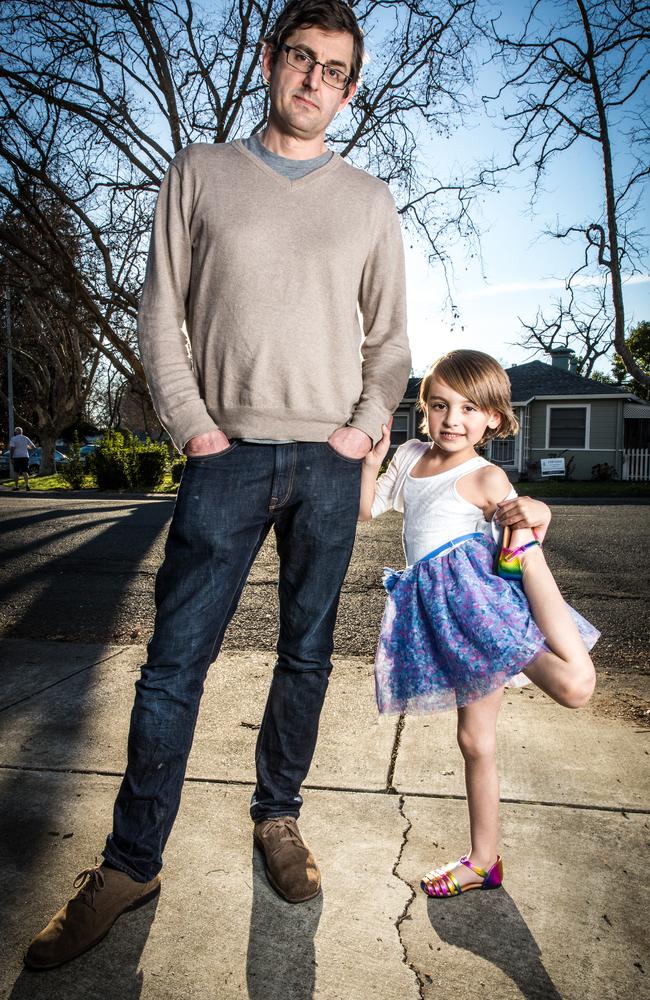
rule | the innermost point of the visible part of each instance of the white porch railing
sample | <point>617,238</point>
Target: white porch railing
<point>636,464</point>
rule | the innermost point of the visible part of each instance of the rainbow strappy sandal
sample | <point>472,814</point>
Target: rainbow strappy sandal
<point>507,563</point>
<point>441,883</point>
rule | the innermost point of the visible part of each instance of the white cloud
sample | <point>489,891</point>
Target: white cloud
<point>549,284</point>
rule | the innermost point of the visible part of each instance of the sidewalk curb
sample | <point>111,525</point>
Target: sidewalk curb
<point>82,495</point>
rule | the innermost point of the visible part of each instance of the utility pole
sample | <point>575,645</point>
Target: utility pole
<point>10,374</point>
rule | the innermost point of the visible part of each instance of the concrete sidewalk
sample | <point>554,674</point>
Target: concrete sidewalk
<point>383,803</point>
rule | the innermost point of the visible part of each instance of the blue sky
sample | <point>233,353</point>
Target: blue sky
<point>520,270</point>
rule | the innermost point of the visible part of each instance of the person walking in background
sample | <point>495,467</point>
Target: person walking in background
<point>466,617</point>
<point>285,266</point>
<point>19,449</point>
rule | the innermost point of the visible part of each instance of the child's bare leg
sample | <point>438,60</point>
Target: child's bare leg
<point>566,673</point>
<point>477,739</point>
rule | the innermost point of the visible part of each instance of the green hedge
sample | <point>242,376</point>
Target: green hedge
<point>177,469</point>
<point>122,462</point>
<point>73,472</point>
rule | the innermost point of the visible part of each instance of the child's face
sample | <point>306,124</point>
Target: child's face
<point>456,423</point>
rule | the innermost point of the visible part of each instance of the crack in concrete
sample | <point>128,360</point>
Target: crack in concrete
<point>197,779</point>
<point>404,915</point>
<point>390,788</point>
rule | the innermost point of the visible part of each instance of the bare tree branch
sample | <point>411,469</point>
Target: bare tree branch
<point>579,75</point>
<point>96,98</point>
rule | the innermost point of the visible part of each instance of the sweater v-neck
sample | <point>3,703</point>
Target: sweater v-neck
<point>287,182</point>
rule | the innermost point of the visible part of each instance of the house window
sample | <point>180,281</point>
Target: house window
<point>502,451</point>
<point>400,430</point>
<point>567,426</point>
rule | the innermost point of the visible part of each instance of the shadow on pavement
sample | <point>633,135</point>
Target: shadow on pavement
<point>96,553</point>
<point>281,959</point>
<point>110,970</point>
<point>489,925</point>
<point>61,580</point>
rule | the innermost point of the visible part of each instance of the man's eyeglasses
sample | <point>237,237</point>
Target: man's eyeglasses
<point>331,75</point>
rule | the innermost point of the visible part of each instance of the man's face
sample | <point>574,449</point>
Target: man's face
<point>302,104</point>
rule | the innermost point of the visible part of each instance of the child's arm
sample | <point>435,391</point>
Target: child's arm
<point>369,470</point>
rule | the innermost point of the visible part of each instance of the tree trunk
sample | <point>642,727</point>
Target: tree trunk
<point>47,440</point>
<point>614,261</point>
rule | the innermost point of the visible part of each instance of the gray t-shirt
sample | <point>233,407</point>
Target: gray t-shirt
<point>294,170</point>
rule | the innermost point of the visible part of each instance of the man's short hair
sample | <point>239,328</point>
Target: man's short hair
<point>330,15</point>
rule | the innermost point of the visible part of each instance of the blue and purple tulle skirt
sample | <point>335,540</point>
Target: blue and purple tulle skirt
<point>453,631</point>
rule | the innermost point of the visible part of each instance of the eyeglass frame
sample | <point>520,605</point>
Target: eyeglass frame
<point>315,62</point>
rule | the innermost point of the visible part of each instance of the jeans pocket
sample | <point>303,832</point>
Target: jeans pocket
<point>213,455</point>
<point>344,458</point>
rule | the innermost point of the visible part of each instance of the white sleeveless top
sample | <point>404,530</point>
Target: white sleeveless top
<point>434,511</point>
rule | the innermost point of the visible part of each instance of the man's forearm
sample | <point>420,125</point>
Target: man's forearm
<point>385,349</point>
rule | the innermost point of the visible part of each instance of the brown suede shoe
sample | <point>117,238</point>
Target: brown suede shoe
<point>290,865</point>
<point>104,894</point>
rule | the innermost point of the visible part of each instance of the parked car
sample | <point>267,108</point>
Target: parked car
<point>86,451</point>
<point>35,460</point>
<point>4,461</point>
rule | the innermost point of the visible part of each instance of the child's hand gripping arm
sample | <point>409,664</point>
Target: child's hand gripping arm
<point>524,512</point>
<point>488,488</point>
<point>369,470</point>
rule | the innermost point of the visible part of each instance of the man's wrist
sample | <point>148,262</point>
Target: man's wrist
<point>206,443</point>
<point>351,442</point>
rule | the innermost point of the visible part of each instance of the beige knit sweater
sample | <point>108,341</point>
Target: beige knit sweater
<point>291,293</point>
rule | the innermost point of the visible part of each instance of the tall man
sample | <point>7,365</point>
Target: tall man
<point>284,264</point>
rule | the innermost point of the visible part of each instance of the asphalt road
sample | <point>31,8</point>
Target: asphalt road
<point>84,571</point>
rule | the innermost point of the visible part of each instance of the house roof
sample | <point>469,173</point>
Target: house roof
<point>413,387</point>
<point>539,379</point>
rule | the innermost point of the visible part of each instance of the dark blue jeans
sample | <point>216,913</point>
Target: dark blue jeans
<point>226,505</point>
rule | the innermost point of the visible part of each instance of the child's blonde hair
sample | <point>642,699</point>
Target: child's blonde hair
<point>481,380</point>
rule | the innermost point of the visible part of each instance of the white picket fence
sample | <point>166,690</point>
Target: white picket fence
<point>636,464</point>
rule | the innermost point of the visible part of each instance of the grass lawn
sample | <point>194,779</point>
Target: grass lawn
<point>569,488</point>
<point>57,482</point>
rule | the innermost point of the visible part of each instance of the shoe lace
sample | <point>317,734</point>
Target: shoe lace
<point>90,880</point>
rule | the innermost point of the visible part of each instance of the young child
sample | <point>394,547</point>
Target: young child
<point>466,616</point>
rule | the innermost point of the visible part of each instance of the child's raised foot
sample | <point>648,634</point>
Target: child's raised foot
<point>460,876</point>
